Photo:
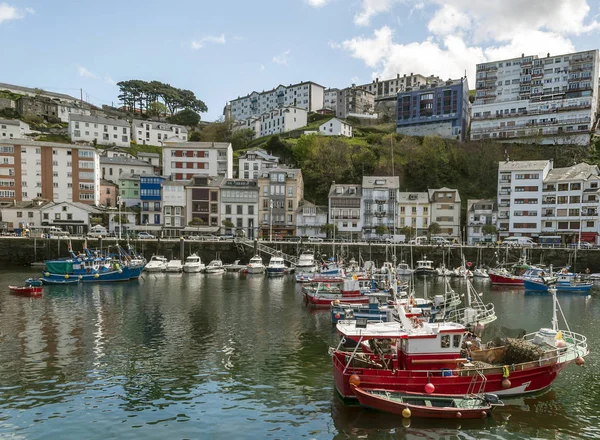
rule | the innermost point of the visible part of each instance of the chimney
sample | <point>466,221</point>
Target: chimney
<point>398,76</point>
<point>548,56</point>
<point>522,55</point>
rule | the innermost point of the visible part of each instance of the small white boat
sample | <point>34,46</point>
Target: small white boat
<point>404,269</point>
<point>425,267</point>
<point>174,266</point>
<point>256,265</point>
<point>480,273</point>
<point>193,264</point>
<point>234,267</point>
<point>157,263</point>
<point>276,266</point>
<point>306,262</point>
<point>443,272</point>
<point>215,266</point>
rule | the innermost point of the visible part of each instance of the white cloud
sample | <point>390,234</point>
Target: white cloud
<point>108,80</point>
<point>283,58</point>
<point>8,12</point>
<point>201,42</point>
<point>370,8</point>
<point>86,73</point>
<point>317,3</point>
<point>262,67</point>
<point>448,20</point>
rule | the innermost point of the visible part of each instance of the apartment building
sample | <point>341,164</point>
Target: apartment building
<point>156,133</point>
<point>438,108</point>
<point>310,219</point>
<point>109,192</point>
<point>330,99</point>
<point>345,208</point>
<point>129,189</point>
<point>351,101</point>
<point>520,197</point>
<point>13,128</point>
<point>173,207</point>
<point>281,120</point>
<point>99,130</point>
<point>73,217</point>
<point>389,88</point>
<point>414,211</point>
<point>306,95</point>
<point>23,214</point>
<point>203,205</point>
<point>481,213</point>
<point>253,161</point>
<point>239,205</point>
<point>379,203</point>
<point>550,100</point>
<point>183,160</point>
<point>280,192</point>
<point>445,211</point>
<point>151,158</point>
<point>151,198</point>
<point>113,167</point>
<point>53,171</point>
<point>335,127</point>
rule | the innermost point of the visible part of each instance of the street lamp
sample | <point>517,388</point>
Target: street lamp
<point>271,220</point>
<point>120,221</point>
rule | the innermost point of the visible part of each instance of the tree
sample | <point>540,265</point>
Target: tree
<point>196,222</point>
<point>156,109</point>
<point>228,224</point>
<point>329,229</point>
<point>407,231</point>
<point>240,139</point>
<point>185,117</point>
<point>381,229</point>
<point>489,229</point>
<point>120,219</point>
<point>194,136</point>
<point>434,229</point>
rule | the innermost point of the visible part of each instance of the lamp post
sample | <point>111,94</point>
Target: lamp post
<point>120,221</point>
<point>271,220</point>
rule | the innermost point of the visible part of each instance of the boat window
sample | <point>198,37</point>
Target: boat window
<point>445,341</point>
<point>456,341</point>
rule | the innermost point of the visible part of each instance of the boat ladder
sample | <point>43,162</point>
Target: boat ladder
<point>473,389</point>
<point>267,250</point>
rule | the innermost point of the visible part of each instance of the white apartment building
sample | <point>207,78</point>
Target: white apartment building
<point>551,100</point>
<point>306,95</point>
<point>13,128</point>
<point>239,205</point>
<point>445,210</point>
<point>520,194</point>
<point>72,217</point>
<point>252,161</point>
<point>183,160</point>
<point>113,167</point>
<point>414,211</point>
<point>156,133</point>
<point>173,206</point>
<point>335,127</point>
<point>389,88</point>
<point>481,213</point>
<point>331,99</point>
<point>310,219</point>
<point>151,158</point>
<point>379,203</point>
<point>104,131</point>
<point>53,171</point>
<point>24,214</point>
<point>345,207</point>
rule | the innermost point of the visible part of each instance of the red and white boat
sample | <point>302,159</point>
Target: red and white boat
<point>429,357</point>
<point>26,290</point>
<point>323,291</point>
<point>503,277</point>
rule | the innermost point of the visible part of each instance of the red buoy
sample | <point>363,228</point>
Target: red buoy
<point>429,388</point>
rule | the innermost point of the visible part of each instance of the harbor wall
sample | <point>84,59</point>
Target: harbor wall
<point>24,251</point>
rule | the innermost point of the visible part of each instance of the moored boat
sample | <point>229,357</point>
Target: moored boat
<point>322,291</point>
<point>306,262</point>
<point>174,266</point>
<point>193,264</point>
<point>26,290</point>
<point>429,406</point>
<point>564,283</point>
<point>255,265</point>
<point>276,266</point>
<point>404,269</point>
<point>157,263</point>
<point>215,266</point>
<point>425,267</point>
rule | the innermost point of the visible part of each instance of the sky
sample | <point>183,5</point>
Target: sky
<point>225,49</point>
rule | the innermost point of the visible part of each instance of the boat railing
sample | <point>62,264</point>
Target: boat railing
<point>576,345</point>
<point>484,313</point>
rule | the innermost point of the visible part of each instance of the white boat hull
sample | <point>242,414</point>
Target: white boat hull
<point>196,268</point>
<point>256,269</point>
<point>154,269</point>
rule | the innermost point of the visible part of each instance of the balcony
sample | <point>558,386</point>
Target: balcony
<point>504,204</point>
<point>505,192</point>
<point>504,215</point>
<point>547,214</point>
<point>549,202</point>
<point>549,189</point>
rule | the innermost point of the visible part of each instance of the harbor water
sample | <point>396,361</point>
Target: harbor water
<point>185,356</point>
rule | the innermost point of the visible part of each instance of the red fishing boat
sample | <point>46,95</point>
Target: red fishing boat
<point>322,292</point>
<point>431,406</point>
<point>434,358</point>
<point>26,290</point>
<point>504,278</point>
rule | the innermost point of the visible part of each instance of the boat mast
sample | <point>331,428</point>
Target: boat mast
<point>554,307</point>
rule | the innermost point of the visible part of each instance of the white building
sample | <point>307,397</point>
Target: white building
<point>104,131</point>
<point>345,206</point>
<point>389,88</point>
<point>306,95</point>
<point>252,161</point>
<point>156,133</point>
<point>481,213</point>
<point>445,211</point>
<point>335,127</point>
<point>113,167</point>
<point>183,160</point>
<point>53,171</point>
<point>310,219</point>
<point>282,120</point>
<point>173,205</point>
<point>380,203</point>
<point>125,222</point>
<point>72,217</point>
<point>24,214</point>
<point>331,99</point>
<point>13,128</point>
<point>520,194</point>
<point>151,158</point>
<point>551,100</point>
<point>414,211</point>
<point>239,205</point>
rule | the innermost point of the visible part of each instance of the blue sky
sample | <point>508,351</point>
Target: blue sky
<point>225,49</point>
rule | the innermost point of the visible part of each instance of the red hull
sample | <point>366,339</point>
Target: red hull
<point>382,404</point>
<point>324,300</point>
<point>502,280</point>
<point>26,290</point>
<point>522,382</point>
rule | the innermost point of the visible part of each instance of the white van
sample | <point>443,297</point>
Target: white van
<point>97,232</point>
<point>419,241</point>
<point>519,241</point>
<point>439,241</point>
<point>53,231</point>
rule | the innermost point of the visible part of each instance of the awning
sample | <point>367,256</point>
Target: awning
<point>589,236</point>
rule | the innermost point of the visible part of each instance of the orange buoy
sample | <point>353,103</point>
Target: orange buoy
<point>458,415</point>
<point>354,380</point>
<point>429,388</point>
<point>579,361</point>
<point>484,414</point>
<point>506,383</point>
<point>337,316</point>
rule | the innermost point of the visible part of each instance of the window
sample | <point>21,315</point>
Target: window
<point>57,216</point>
<point>46,216</point>
<point>227,209</point>
<point>250,210</point>
<point>456,341</point>
<point>445,341</point>
<point>240,209</point>
<point>19,214</point>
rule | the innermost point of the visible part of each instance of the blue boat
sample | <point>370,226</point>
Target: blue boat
<point>564,282</point>
<point>35,282</point>
<point>276,266</point>
<point>376,310</point>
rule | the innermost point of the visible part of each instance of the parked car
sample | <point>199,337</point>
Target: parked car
<point>226,237</point>
<point>145,236</point>
<point>440,241</point>
<point>293,238</point>
<point>582,245</point>
<point>314,239</point>
<point>519,242</point>
<point>209,237</point>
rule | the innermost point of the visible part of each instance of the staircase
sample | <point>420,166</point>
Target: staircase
<point>267,250</point>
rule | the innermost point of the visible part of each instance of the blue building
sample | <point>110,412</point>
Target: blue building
<point>439,108</point>
<point>151,197</point>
